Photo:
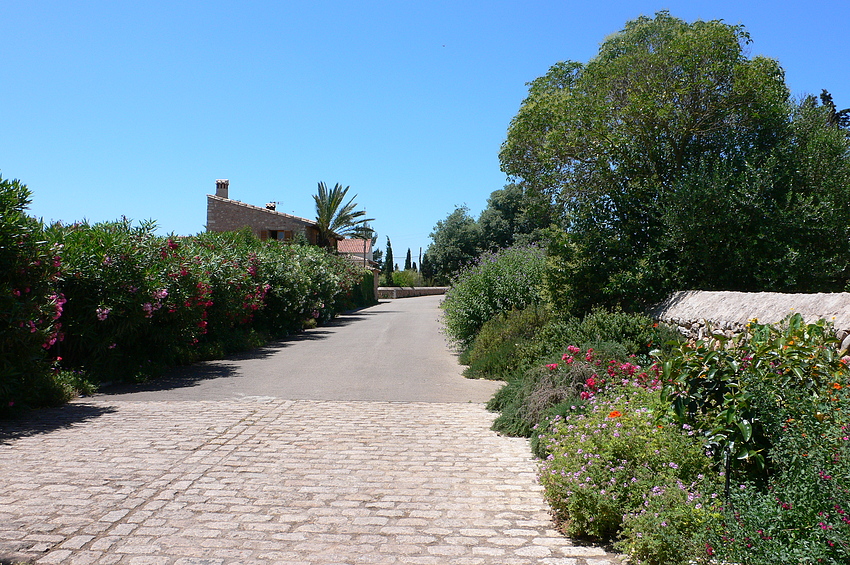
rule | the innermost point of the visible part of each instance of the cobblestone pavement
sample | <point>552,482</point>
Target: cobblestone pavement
<point>264,480</point>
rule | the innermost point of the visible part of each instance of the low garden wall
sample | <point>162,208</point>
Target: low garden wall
<point>700,313</point>
<point>392,292</point>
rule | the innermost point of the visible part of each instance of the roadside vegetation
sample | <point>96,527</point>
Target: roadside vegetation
<point>670,161</point>
<point>84,304</point>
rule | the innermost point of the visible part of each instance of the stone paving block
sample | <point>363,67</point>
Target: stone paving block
<point>251,483</point>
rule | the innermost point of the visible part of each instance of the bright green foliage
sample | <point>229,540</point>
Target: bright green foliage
<point>778,402</point>
<point>30,305</point>
<point>512,341</point>
<point>455,243</point>
<point>494,354</point>
<point>612,461</point>
<point>740,394</point>
<point>335,216</point>
<point>679,162</point>
<point>496,282</point>
<point>407,277</point>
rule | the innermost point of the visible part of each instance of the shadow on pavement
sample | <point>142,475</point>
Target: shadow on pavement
<point>190,375</point>
<point>47,420</point>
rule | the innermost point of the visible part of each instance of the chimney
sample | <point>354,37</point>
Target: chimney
<point>221,186</point>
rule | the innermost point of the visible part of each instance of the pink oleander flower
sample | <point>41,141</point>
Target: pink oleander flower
<point>103,313</point>
<point>552,366</point>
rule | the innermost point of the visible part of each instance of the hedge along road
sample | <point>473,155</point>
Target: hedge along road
<point>359,442</point>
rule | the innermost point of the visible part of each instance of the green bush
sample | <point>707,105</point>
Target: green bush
<point>496,282</point>
<point>138,302</point>
<point>774,408</point>
<point>612,462</point>
<point>493,353</point>
<point>30,306</point>
<point>519,357</point>
<point>561,386</point>
<point>637,334</point>
<point>408,277</point>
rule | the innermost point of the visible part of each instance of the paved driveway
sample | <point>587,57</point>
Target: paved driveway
<point>305,452</point>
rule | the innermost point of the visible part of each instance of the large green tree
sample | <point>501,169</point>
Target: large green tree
<point>676,162</point>
<point>336,217</point>
<point>455,242</point>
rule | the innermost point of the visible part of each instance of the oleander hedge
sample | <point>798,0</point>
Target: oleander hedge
<point>114,301</point>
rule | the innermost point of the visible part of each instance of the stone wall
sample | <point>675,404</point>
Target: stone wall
<point>409,291</point>
<point>699,313</point>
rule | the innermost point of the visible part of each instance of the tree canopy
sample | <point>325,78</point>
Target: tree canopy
<point>676,161</point>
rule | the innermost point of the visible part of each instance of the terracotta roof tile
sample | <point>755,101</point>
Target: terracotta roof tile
<point>354,246</point>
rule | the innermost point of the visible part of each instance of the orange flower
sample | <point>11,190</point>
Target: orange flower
<point>836,386</point>
<point>615,414</point>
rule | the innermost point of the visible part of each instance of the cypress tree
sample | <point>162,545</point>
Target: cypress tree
<point>407,264</point>
<point>388,262</point>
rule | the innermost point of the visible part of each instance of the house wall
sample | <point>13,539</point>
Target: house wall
<point>224,214</point>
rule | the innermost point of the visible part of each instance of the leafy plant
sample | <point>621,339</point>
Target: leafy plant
<point>571,379</point>
<point>30,304</point>
<point>494,354</point>
<point>495,283</point>
<point>613,460</point>
<point>734,391</point>
<point>336,217</point>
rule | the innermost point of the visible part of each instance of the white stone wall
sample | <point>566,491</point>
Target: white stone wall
<point>700,313</point>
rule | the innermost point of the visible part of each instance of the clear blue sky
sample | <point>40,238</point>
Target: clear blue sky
<point>114,108</point>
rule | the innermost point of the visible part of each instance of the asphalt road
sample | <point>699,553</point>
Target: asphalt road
<point>390,352</point>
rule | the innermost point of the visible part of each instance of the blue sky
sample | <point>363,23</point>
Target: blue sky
<point>115,108</point>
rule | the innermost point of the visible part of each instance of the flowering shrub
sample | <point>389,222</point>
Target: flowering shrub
<point>777,396</point>
<point>30,305</point>
<point>614,462</point>
<point>138,302</point>
<point>561,387</point>
<point>496,282</point>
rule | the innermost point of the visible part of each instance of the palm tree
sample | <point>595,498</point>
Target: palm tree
<point>335,218</point>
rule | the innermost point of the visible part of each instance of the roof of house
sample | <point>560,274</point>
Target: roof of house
<point>260,209</point>
<point>264,210</point>
<point>352,245</point>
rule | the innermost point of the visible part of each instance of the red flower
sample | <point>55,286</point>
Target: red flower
<point>552,366</point>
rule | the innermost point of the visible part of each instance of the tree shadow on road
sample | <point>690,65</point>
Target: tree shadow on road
<point>47,420</point>
<point>191,375</point>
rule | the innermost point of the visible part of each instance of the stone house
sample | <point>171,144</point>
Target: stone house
<point>224,214</point>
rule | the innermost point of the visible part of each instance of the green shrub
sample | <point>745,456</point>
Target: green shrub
<point>406,278</point>
<point>138,302</point>
<point>637,334</point>
<point>774,407</point>
<point>30,305</point>
<point>613,461</point>
<point>567,381</point>
<point>493,353</point>
<point>496,282</point>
